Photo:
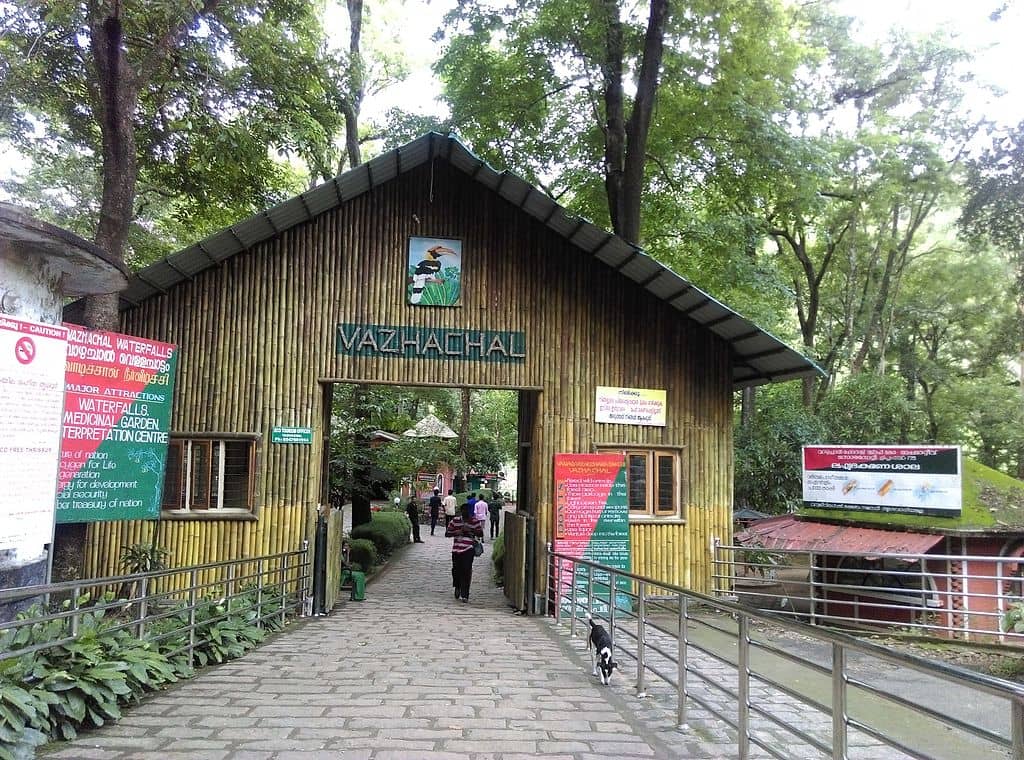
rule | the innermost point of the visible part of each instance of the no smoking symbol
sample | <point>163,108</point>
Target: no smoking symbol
<point>25,350</point>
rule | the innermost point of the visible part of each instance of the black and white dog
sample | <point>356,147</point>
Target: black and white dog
<point>600,645</point>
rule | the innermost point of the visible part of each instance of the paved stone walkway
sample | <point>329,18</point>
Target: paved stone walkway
<point>409,673</point>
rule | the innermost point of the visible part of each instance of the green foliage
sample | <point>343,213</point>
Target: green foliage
<point>362,552</point>
<point>227,629</point>
<point>865,409</point>
<point>386,530</point>
<point>498,559</point>
<point>239,84</point>
<point>768,463</point>
<point>1013,618</point>
<point>85,680</point>
<point>143,558</point>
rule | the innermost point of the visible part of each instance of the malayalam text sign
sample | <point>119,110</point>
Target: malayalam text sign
<point>117,416</point>
<point>31,397</point>
<point>592,522</point>
<point>919,480</point>
<point>630,406</point>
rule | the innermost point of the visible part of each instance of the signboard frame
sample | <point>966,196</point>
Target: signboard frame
<point>119,394</point>
<point>591,521</point>
<point>32,376</point>
<point>917,480</point>
<point>630,406</point>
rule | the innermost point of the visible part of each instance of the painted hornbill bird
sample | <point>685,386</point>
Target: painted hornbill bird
<point>427,270</point>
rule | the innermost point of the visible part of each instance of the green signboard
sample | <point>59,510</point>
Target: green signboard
<point>291,435</point>
<point>118,391</point>
<point>413,342</point>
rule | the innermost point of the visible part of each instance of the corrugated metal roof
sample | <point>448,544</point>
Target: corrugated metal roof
<point>787,532</point>
<point>758,357</point>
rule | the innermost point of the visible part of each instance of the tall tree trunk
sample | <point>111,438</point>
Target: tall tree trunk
<point>353,101</point>
<point>117,98</point>
<point>639,126</point>
<point>748,406</point>
<point>361,472</point>
<point>1020,352</point>
<point>464,424</point>
<point>625,153</point>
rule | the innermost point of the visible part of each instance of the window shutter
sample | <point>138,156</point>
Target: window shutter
<point>201,460</point>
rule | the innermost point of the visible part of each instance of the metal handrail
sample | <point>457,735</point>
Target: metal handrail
<point>282,580</point>
<point>569,595</point>
<point>946,595</point>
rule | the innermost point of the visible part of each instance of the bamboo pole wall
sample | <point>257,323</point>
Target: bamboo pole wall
<point>256,337</point>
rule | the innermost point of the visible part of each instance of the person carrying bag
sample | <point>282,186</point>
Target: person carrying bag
<point>465,529</point>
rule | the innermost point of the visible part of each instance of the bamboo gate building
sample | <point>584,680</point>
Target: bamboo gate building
<point>327,288</point>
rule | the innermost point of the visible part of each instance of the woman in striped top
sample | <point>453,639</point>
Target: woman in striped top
<point>463,528</point>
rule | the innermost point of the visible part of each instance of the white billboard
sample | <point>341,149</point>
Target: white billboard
<point>32,357</point>
<point>920,480</point>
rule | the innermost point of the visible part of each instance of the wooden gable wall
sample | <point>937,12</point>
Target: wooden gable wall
<point>257,336</point>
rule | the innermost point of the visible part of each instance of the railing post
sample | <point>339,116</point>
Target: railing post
<point>590,590</point>
<point>259,591</point>
<point>838,702</point>
<point>556,568</point>
<point>681,664</point>
<point>143,607</point>
<point>743,687</point>
<point>74,607</point>
<point>612,604</point>
<point>641,612</point>
<point>193,579</point>
<point>572,601</point>
<point>231,583</point>
<point>1017,722</point>
<point>811,588</point>
<point>284,586</point>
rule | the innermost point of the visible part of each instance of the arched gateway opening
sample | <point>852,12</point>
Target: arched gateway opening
<point>426,267</point>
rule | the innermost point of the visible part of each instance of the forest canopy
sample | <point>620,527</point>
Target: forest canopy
<point>839,193</point>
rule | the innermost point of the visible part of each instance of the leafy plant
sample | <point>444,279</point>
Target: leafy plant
<point>84,680</point>
<point>1013,618</point>
<point>498,559</point>
<point>143,558</point>
<point>387,531</point>
<point>755,558</point>
<point>362,554</point>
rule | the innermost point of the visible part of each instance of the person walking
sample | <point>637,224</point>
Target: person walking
<point>449,504</point>
<point>464,529</point>
<point>480,509</point>
<point>435,509</point>
<point>413,510</point>
<point>495,506</point>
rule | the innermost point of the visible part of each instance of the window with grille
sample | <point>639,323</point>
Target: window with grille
<point>653,482</point>
<point>206,475</point>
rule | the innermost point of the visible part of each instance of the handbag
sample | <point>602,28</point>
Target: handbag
<point>478,548</point>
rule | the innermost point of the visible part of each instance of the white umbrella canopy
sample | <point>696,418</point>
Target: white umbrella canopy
<point>430,427</point>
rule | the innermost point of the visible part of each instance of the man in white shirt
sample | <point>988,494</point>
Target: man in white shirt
<point>480,510</point>
<point>448,502</point>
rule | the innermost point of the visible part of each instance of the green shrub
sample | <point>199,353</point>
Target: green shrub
<point>362,554</point>
<point>84,682</point>
<point>498,559</point>
<point>1013,619</point>
<point>387,531</point>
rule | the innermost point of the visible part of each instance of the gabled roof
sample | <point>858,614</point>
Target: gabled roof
<point>430,427</point>
<point>758,356</point>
